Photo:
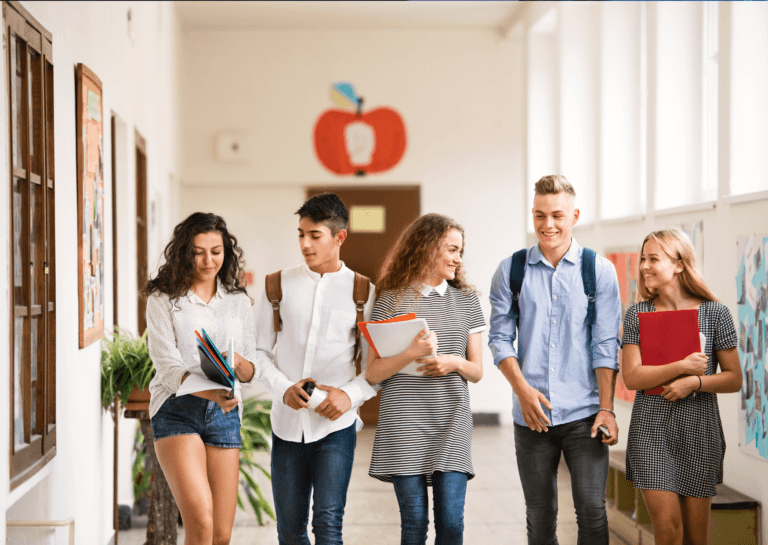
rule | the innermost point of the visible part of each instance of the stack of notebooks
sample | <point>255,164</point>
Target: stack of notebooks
<point>216,367</point>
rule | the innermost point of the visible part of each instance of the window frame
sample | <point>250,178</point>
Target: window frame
<point>39,446</point>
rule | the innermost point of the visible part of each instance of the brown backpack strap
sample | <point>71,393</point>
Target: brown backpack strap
<point>360,297</point>
<point>274,296</point>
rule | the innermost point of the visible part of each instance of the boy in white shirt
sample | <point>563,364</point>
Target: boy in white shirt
<point>314,449</point>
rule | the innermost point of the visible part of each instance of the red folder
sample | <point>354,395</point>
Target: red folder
<point>364,329</point>
<point>666,337</point>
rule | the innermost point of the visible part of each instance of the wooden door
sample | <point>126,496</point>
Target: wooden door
<point>378,215</point>
<point>142,274</point>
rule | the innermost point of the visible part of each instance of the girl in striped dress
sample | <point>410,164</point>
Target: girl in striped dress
<point>424,434</point>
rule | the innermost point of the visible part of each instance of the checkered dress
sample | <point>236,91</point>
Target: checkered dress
<point>679,446</point>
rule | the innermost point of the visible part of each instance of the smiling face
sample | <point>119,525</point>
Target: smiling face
<point>209,256</point>
<point>448,258</point>
<point>657,268</point>
<point>319,247</point>
<point>554,216</point>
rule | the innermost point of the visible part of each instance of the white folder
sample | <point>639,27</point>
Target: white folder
<point>393,338</point>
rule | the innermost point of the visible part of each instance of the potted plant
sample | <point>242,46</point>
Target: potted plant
<point>126,370</point>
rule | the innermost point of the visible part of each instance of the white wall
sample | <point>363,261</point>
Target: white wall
<point>137,73</point>
<point>459,92</point>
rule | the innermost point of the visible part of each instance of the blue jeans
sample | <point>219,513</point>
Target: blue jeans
<point>188,415</point>
<point>297,468</point>
<point>538,455</point>
<point>448,492</point>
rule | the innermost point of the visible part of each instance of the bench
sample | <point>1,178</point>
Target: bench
<point>735,518</point>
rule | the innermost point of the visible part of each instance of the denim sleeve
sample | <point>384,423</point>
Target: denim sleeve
<point>503,328</point>
<point>605,331</point>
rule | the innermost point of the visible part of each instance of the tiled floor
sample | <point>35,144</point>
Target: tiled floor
<point>494,513</point>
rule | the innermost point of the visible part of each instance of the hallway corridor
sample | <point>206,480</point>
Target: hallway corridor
<point>495,510</point>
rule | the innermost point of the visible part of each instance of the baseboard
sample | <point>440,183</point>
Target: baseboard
<point>486,419</point>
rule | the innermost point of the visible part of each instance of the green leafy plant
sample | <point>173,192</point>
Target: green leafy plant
<point>125,363</point>
<point>255,435</point>
<point>140,470</point>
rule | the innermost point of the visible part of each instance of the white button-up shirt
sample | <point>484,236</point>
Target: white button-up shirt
<point>317,340</point>
<point>172,341</point>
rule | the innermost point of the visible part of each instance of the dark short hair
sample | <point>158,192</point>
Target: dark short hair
<point>326,209</point>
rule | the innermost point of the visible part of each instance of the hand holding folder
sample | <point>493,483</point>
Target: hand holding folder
<point>667,337</point>
<point>217,369</point>
<point>391,337</point>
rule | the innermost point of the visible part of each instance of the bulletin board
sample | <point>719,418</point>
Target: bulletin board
<point>626,261</point>
<point>90,205</point>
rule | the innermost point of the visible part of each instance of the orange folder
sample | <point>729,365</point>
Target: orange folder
<point>364,327</point>
<point>668,336</point>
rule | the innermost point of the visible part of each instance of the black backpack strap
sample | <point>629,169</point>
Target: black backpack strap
<point>516,275</point>
<point>589,278</point>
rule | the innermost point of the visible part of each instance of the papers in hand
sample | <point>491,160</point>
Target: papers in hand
<point>392,337</point>
<point>195,383</point>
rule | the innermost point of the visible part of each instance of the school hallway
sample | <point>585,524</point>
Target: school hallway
<point>494,513</point>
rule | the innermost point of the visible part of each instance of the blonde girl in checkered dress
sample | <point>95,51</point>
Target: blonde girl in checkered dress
<point>675,445</point>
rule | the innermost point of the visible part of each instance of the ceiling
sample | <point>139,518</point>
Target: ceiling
<point>343,15</point>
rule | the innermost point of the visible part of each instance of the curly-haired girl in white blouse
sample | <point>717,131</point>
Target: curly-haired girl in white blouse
<point>197,436</point>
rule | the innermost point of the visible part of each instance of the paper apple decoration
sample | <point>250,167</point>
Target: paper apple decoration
<point>353,142</point>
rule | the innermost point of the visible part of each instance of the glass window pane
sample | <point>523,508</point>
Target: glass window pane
<point>35,91</point>
<point>34,341</point>
<point>36,243</point>
<point>49,117</point>
<point>19,186</point>
<point>18,401</point>
<point>17,97</point>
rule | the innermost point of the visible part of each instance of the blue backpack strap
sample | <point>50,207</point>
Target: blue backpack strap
<point>516,275</point>
<point>589,278</point>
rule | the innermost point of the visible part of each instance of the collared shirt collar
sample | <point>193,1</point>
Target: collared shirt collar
<point>426,289</point>
<point>194,298</point>
<point>572,255</point>
<point>317,276</point>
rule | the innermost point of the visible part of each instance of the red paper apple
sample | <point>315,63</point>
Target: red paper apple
<point>359,143</point>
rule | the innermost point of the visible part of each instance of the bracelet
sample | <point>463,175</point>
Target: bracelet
<point>607,410</point>
<point>699,377</point>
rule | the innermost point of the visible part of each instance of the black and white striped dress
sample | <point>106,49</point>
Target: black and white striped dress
<point>679,446</point>
<point>425,423</point>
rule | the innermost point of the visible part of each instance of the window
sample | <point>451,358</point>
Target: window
<point>749,109</point>
<point>33,311</point>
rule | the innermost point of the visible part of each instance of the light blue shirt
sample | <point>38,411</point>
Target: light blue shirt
<point>554,349</point>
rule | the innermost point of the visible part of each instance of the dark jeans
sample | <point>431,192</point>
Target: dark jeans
<point>538,455</point>
<point>448,492</point>
<point>297,468</point>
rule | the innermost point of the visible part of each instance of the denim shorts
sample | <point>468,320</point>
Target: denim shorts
<point>189,414</point>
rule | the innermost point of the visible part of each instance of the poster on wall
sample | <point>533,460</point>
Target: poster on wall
<point>626,261</point>
<point>90,206</point>
<point>752,298</point>
<point>695,232</point>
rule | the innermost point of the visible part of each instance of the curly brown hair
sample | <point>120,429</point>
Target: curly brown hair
<point>175,275</point>
<point>415,253</point>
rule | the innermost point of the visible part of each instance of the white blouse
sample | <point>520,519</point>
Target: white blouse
<point>172,341</point>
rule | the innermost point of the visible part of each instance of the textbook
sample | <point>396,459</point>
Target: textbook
<point>669,336</point>
<point>217,369</point>
<point>391,337</point>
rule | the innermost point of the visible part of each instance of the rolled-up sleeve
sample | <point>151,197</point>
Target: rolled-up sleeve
<point>358,390</point>
<point>605,331</point>
<point>269,375</point>
<point>161,340</point>
<point>249,351</point>
<point>503,328</point>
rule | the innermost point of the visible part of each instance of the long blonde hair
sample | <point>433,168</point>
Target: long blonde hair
<point>679,248</point>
